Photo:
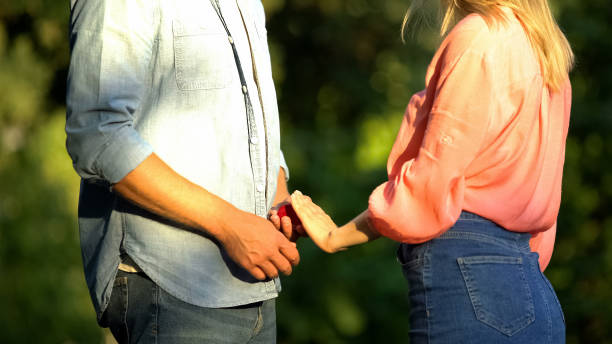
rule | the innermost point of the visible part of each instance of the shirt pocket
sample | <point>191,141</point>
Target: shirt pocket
<point>203,56</point>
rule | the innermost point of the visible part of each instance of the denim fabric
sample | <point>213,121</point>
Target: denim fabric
<point>160,76</point>
<point>478,283</point>
<point>141,312</point>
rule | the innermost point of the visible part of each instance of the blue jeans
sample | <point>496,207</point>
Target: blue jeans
<point>479,283</point>
<point>141,312</point>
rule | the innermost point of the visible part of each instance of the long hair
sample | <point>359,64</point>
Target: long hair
<point>547,40</point>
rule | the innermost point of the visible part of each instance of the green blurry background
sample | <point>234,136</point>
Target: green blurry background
<point>343,78</point>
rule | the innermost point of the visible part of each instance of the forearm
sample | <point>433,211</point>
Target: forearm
<point>154,186</point>
<point>249,240</point>
<point>355,232</point>
<point>282,193</point>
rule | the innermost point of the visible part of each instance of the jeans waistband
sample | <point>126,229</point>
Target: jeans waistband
<point>471,226</point>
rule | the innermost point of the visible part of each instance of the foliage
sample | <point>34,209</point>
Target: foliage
<point>343,78</point>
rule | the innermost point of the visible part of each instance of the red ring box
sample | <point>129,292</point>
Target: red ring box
<point>287,210</point>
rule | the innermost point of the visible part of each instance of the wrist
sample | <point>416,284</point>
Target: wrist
<point>333,243</point>
<point>222,222</point>
<point>281,198</point>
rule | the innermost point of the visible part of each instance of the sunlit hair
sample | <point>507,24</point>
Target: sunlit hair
<point>549,43</point>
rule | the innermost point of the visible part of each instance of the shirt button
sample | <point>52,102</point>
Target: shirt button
<point>244,89</point>
<point>447,140</point>
<point>260,188</point>
<point>254,140</point>
<point>231,40</point>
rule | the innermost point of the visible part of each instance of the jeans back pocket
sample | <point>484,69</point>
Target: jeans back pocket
<point>499,291</point>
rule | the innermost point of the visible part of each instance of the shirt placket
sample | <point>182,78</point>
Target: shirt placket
<point>258,165</point>
<point>261,167</point>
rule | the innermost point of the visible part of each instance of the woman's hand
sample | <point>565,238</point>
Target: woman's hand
<point>315,221</point>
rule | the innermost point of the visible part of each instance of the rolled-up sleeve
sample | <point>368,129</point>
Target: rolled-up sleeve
<point>111,47</point>
<point>424,194</point>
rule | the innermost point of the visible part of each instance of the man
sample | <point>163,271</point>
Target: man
<point>172,124</point>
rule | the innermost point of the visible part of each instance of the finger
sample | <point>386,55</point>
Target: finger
<point>257,273</point>
<point>286,226</point>
<point>314,209</point>
<point>296,201</point>
<point>296,194</point>
<point>276,221</point>
<point>299,229</point>
<point>304,207</point>
<point>269,269</point>
<point>305,201</point>
<point>282,264</point>
<point>291,253</point>
<point>301,196</point>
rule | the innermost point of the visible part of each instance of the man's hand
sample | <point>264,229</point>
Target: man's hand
<point>292,231</point>
<point>257,246</point>
<point>251,241</point>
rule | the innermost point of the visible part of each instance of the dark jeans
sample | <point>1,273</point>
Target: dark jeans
<point>141,312</point>
<point>479,283</point>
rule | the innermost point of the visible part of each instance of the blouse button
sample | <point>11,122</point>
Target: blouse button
<point>447,140</point>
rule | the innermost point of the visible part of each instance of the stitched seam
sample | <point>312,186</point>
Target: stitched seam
<point>546,306</point>
<point>258,324</point>
<point>556,302</point>
<point>153,312</point>
<point>475,219</point>
<point>482,313</point>
<point>127,303</point>
<point>475,237</point>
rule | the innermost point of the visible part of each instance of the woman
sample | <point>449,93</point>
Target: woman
<point>475,179</point>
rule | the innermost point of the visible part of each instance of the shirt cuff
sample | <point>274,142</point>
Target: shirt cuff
<point>123,153</point>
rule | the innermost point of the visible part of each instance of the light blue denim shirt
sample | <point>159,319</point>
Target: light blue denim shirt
<point>160,76</point>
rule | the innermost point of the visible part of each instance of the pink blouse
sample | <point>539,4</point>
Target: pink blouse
<point>485,136</point>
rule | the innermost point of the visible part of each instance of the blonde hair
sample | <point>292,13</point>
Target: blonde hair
<point>548,41</point>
